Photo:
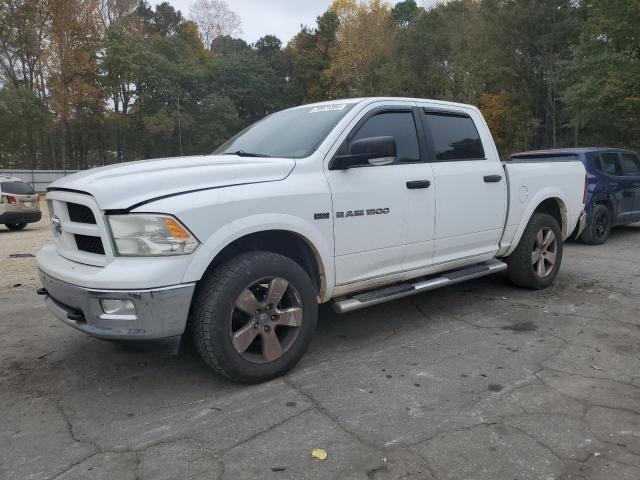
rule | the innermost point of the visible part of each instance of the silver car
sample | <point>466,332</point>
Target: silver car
<point>18,203</point>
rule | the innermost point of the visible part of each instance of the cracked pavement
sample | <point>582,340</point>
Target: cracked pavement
<point>476,381</point>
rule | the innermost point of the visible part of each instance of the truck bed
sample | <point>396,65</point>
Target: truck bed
<point>530,182</point>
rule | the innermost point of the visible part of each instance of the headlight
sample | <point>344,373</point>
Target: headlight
<point>150,235</point>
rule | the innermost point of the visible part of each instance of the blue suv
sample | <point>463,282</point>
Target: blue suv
<point>613,195</point>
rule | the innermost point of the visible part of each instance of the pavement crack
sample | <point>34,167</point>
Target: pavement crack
<point>73,465</point>
<point>426,462</point>
<point>542,444</point>
<point>267,430</point>
<point>58,403</point>
<point>324,411</point>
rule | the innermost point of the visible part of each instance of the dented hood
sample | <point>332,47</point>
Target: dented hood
<point>125,185</point>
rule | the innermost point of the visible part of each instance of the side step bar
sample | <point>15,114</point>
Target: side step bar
<point>374,297</point>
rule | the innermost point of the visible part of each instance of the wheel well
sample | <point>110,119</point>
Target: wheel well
<point>607,203</point>
<point>282,242</point>
<point>555,208</point>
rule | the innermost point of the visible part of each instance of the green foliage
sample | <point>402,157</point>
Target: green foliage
<point>225,45</point>
<point>602,79</point>
<point>78,92</point>
<point>21,114</point>
<point>405,12</point>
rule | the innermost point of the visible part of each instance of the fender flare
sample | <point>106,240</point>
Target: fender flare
<point>541,196</point>
<point>242,227</point>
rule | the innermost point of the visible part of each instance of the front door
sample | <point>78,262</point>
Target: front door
<point>374,206</point>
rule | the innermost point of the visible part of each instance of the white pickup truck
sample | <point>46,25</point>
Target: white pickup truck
<point>354,201</point>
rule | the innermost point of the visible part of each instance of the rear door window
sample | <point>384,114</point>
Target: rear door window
<point>454,136</point>
<point>631,164</point>
<point>610,164</point>
<point>16,188</point>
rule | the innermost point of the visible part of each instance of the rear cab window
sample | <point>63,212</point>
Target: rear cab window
<point>16,188</point>
<point>454,136</point>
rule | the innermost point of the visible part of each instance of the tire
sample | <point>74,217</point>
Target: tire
<point>598,226</point>
<point>16,226</point>
<point>222,329</point>
<point>523,268</point>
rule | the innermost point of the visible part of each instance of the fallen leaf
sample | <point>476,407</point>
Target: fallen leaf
<point>319,454</point>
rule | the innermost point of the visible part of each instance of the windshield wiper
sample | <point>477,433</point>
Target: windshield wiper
<point>242,153</point>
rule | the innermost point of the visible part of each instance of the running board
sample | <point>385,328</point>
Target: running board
<point>374,297</point>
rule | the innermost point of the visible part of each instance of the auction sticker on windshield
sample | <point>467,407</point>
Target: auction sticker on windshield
<point>328,108</point>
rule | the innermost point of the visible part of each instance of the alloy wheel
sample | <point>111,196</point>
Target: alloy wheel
<point>545,249</point>
<point>266,320</point>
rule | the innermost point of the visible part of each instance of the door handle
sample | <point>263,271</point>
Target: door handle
<point>492,178</point>
<point>415,184</point>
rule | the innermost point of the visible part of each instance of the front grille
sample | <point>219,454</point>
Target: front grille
<point>79,231</point>
<point>87,243</point>
<point>80,213</point>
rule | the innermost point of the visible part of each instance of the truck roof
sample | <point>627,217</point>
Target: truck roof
<point>378,99</point>
<point>561,152</point>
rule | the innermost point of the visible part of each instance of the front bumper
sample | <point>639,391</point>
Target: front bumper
<point>20,217</point>
<point>160,313</point>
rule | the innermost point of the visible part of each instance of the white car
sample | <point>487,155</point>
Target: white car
<point>354,202</point>
<point>18,203</point>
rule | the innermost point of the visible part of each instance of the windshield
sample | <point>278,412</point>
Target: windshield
<point>294,133</point>
<point>17,188</point>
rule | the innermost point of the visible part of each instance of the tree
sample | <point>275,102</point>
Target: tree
<point>75,36</point>
<point>268,46</point>
<point>226,45</point>
<point>21,114</point>
<point>309,55</point>
<point>602,80</point>
<point>364,39</point>
<point>214,19</point>
<point>119,68</point>
<point>23,62</point>
<point>404,13</point>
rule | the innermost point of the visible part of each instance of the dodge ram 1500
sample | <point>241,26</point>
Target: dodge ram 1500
<point>354,202</point>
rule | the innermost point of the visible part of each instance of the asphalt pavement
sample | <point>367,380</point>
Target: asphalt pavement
<point>476,381</point>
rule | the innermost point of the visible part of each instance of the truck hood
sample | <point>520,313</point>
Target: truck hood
<point>125,185</point>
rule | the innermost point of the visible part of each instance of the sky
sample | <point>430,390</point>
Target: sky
<point>282,18</point>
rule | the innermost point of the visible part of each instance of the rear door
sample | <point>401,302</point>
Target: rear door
<point>631,170</point>
<point>470,186</point>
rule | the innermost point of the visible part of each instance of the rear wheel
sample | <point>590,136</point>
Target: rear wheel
<point>598,226</point>
<point>254,316</point>
<point>16,226</point>
<point>536,260</point>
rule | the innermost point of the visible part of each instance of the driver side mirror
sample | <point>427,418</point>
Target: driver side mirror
<point>363,151</point>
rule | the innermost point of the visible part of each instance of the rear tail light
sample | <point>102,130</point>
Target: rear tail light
<point>586,190</point>
<point>10,199</point>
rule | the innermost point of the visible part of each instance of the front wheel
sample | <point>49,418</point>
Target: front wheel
<point>16,226</point>
<point>536,260</point>
<point>254,316</point>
